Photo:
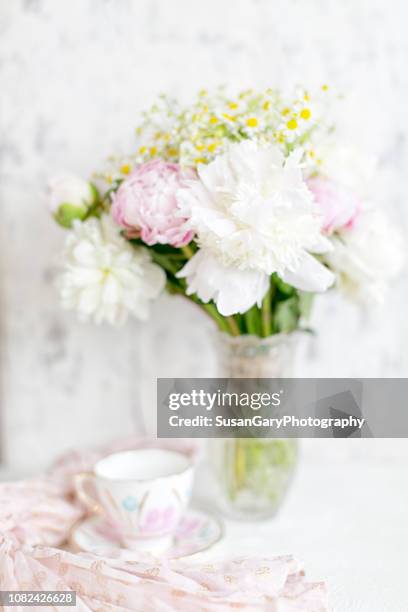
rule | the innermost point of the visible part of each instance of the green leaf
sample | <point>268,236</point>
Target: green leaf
<point>253,321</point>
<point>287,315</point>
<point>106,198</point>
<point>95,194</point>
<point>283,288</point>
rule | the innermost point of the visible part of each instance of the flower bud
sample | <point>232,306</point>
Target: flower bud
<point>71,198</point>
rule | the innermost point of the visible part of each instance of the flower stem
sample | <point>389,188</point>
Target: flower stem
<point>266,314</point>
<point>233,325</point>
<point>188,251</point>
<point>239,463</point>
<point>252,321</point>
<point>212,311</point>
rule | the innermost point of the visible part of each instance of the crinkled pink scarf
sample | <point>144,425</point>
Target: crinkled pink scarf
<point>36,517</point>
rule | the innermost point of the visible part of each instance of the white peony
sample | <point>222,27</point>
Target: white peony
<point>366,256</point>
<point>105,278</point>
<point>253,215</point>
<point>231,289</point>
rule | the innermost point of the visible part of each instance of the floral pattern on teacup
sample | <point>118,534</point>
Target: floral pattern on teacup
<point>130,503</point>
<point>159,520</point>
<point>188,527</point>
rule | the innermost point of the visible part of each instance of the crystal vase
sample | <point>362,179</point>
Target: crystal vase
<point>252,475</point>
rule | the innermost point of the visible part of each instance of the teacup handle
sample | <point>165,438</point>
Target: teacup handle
<point>87,495</point>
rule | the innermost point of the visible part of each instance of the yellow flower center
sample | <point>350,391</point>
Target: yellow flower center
<point>245,93</point>
<point>292,124</point>
<point>305,113</point>
<point>106,272</point>
<point>252,122</point>
<point>125,169</point>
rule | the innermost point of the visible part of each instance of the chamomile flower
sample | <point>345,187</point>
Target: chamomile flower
<point>197,133</point>
<point>253,126</point>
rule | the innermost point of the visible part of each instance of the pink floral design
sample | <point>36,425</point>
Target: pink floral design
<point>146,203</point>
<point>159,520</point>
<point>187,527</point>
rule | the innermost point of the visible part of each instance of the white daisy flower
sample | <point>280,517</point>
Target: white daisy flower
<point>104,277</point>
<point>297,121</point>
<point>252,125</point>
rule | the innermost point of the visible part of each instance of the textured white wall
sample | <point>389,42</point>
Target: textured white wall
<point>74,75</point>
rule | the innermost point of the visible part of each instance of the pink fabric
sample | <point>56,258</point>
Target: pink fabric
<point>37,516</point>
<point>35,512</point>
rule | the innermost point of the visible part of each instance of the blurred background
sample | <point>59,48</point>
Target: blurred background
<point>74,75</point>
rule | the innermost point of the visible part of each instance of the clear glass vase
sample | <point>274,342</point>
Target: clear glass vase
<point>253,474</point>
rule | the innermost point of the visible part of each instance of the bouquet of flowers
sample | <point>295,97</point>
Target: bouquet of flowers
<point>240,204</point>
<point>246,205</point>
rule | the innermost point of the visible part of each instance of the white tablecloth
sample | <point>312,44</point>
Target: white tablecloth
<point>349,524</point>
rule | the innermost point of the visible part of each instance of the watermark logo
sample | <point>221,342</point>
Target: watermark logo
<point>281,408</point>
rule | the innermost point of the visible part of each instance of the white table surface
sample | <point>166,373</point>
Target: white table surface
<point>348,523</point>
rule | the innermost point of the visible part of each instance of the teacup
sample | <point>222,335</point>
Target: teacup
<point>143,493</point>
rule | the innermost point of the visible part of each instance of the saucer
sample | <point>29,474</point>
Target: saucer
<point>196,532</point>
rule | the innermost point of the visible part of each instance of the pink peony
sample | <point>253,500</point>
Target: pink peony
<point>339,206</point>
<point>146,203</point>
